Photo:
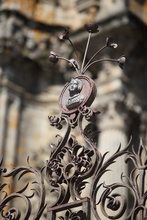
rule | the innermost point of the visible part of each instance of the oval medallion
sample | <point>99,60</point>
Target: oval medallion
<point>78,92</point>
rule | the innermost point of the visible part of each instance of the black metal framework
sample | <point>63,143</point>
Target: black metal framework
<point>72,165</point>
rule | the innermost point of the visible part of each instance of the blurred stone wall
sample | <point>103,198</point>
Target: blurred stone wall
<point>30,85</point>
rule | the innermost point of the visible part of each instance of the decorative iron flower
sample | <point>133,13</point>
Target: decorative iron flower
<point>81,69</point>
<point>55,121</point>
<point>54,172</point>
<point>121,61</point>
<point>53,57</point>
<point>92,27</point>
<point>110,42</point>
<point>65,35</point>
<point>69,215</point>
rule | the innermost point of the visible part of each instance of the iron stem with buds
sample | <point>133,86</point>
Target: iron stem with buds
<point>85,54</point>
<point>97,61</point>
<point>94,56</point>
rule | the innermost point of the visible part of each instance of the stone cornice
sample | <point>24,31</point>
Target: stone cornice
<point>32,23</point>
<point>107,23</point>
<point>44,99</point>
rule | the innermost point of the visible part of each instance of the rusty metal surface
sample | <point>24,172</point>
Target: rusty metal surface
<point>72,164</point>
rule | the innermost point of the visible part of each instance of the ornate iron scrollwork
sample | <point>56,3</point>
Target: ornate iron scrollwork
<point>72,165</point>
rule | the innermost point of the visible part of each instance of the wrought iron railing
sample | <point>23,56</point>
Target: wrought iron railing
<point>72,164</point>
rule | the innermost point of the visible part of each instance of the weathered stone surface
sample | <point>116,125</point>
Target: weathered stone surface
<point>28,31</point>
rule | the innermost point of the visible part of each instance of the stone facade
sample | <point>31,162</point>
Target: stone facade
<point>30,85</point>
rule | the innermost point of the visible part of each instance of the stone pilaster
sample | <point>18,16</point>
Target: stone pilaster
<point>144,127</point>
<point>113,132</point>
<point>111,101</point>
<point>113,129</point>
<point>3,115</point>
<point>113,122</point>
<point>12,132</point>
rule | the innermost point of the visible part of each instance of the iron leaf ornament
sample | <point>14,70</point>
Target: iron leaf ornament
<point>71,164</point>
